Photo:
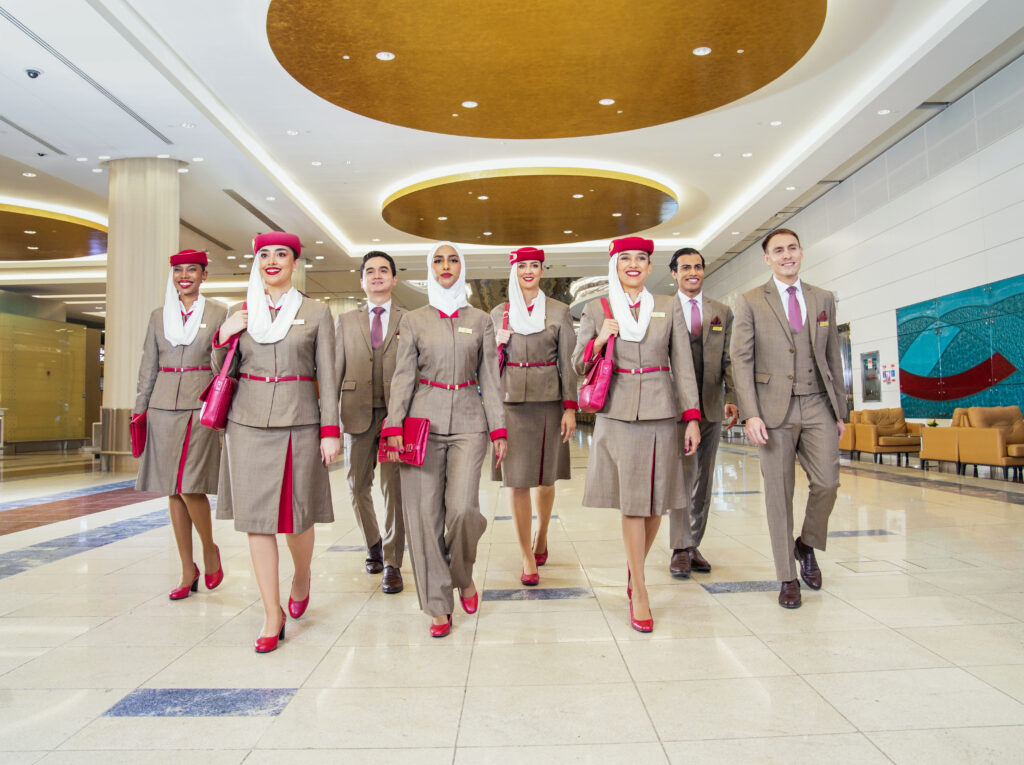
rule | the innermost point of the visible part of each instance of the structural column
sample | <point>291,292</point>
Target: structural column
<point>142,234</point>
<point>342,305</point>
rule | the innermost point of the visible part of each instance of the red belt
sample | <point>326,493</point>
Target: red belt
<point>186,369</point>
<point>645,370</point>
<point>273,379</point>
<point>531,364</point>
<point>446,386</point>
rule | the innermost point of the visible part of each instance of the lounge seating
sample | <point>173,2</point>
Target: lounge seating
<point>942,444</point>
<point>848,442</point>
<point>885,431</point>
<point>995,437</point>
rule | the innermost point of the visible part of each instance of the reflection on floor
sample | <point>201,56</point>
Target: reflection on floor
<point>913,651</point>
<point>13,466</point>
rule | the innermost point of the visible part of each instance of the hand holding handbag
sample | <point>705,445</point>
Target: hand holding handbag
<point>594,390</point>
<point>501,348</point>
<point>217,396</point>
<point>137,431</point>
<point>415,431</point>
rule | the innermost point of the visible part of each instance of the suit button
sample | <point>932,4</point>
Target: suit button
<point>789,376</point>
<point>791,350</point>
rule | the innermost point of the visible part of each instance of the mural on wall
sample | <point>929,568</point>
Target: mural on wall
<point>963,349</point>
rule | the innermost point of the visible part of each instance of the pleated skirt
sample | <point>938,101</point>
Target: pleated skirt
<point>635,467</point>
<point>272,479</point>
<point>536,455</point>
<point>181,456</point>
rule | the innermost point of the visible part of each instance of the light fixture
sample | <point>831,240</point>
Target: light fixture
<point>319,241</point>
<point>567,231</point>
<point>385,55</point>
<point>487,233</point>
<point>232,257</point>
<point>735,233</point>
<point>247,256</point>
<point>348,161</point>
<point>188,125</point>
<point>577,196</point>
<point>618,111</point>
<point>182,170</point>
<point>675,233</point>
<point>32,247</point>
<point>703,50</point>
<point>775,123</point>
<point>375,239</point>
<point>616,215</point>
<point>747,154</point>
<point>717,154</point>
<point>740,50</point>
<point>163,156</point>
<point>81,159</point>
<point>29,175</point>
<point>455,114</point>
<point>470,104</point>
<point>271,199</point>
<point>291,132</point>
<point>790,188</point>
<point>346,58</point>
<point>92,298</point>
<point>319,257</point>
<point>97,169</point>
<point>883,112</point>
<point>103,157</point>
<point>483,197</point>
<point>29,232</point>
<point>442,217</point>
<point>606,101</point>
<point>197,159</point>
<point>316,163</point>
<point>308,265</point>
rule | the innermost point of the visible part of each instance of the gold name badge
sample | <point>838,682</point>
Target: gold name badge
<point>822,323</point>
<point>466,330</point>
<point>716,328</point>
<point>657,314</point>
<point>202,326</point>
<point>298,321</point>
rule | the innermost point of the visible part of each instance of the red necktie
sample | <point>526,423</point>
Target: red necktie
<point>377,328</point>
<point>795,320</point>
<point>695,325</point>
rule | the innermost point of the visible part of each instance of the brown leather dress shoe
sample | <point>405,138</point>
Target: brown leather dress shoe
<point>392,581</point>
<point>697,561</point>
<point>809,570</point>
<point>789,594</point>
<point>679,566</point>
<point>375,558</point>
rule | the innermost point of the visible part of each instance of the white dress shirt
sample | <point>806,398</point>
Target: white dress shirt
<point>383,317</point>
<point>783,288</point>
<point>684,301</point>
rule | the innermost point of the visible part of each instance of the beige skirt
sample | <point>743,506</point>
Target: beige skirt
<point>635,467</point>
<point>536,455</point>
<point>254,474</point>
<point>181,456</point>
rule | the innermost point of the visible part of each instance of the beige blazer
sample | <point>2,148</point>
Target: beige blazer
<point>355,365</point>
<point>306,351</point>
<point>447,351</point>
<point>554,343</point>
<point>654,395</point>
<point>764,356</point>
<point>717,363</point>
<point>176,390</point>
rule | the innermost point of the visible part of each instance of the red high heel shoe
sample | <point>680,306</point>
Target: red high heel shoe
<point>212,580</point>
<point>530,580</point>
<point>298,607</point>
<point>268,644</point>
<point>629,583</point>
<point>441,630</point>
<point>541,558</point>
<point>640,625</point>
<point>180,593</point>
<point>470,605</point>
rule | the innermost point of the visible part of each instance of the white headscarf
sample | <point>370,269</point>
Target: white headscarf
<point>176,331</point>
<point>449,300</point>
<point>520,319</point>
<point>261,328</point>
<point>629,328</point>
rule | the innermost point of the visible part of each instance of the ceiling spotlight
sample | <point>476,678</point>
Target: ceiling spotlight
<point>29,175</point>
<point>291,132</point>
<point>616,215</point>
<point>308,265</point>
<point>487,233</point>
<point>375,239</point>
<point>717,154</point>
<point>577,196</point>
<point>455,114</point>
<point>442,217</point>
<point>319,241</point>
<point>232,257</point>
<point>103,156</point>
<point>470,104</point>
<point>97,169</point>
<point>790,188</point>
<point>747,154</point>
<point>29,232</point>
<point>775,123</point>
<point>319,257</point>
<point>483,197</point>
<point>883,112</point>
<point>182,170</point>
<point>188,125</point>
<point>735,233</point>
<point>316,163</point>
<point>606,101</point>
<point>675,233</point>
<point>346,58</point>
<point>703,50</point>
<point>81,159</point>
<point>385,55</point>
<point>32,247</point>
<point>163,156</point>
<point>247,256</point>
<point>197,159</point>
<point>271,199</point>
<point>567,231</point>
<point>740,50</point>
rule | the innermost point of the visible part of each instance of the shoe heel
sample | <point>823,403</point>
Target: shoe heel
<point>195,585</point>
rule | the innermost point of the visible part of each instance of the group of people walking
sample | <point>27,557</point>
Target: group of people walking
<point>680,367</point>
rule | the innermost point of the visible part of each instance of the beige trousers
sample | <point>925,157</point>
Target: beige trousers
<point>687,525</point>
<point>362,461</point>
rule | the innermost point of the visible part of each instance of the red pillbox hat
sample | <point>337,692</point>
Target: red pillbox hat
<point>631,243</point>
<point>277,238</point>
<point>190,256</point>
<point>525,253</point>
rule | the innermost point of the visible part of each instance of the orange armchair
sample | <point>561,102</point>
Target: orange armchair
<point>943,444</point>
<point>885,431</point>
<point>995,437</point>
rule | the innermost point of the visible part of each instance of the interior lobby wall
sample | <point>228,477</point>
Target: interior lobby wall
<point>939,212</point>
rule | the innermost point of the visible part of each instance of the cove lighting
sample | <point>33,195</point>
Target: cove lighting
<point>703,50</point>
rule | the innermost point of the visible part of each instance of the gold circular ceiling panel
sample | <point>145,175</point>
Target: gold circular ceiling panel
<point>534,205</point>
<point>30,234</point>
<point>538,68</point>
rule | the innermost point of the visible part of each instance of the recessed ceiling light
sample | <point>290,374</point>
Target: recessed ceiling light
<point>29,175</point>
<point>103,156</point>
<point>309,265</point>
<point>606,101</point>
<point>618,111</point>
<point>81,159</point>
<point>577,196</point>
<point>483,197</point>
<point>348,161</point>
<point>97,169</point>
<point>735,233</point>
<point>717,154</point>
<point>442,217</point>
<point>163,156</point>
<point>271,199</point>
<point>740,50</point>
<point>567,231</point>
<point>747,154</point>
<point>319,241</point>
<point>291,132</point>
<point>319,257</point>
<point>454,114</point>
<point>883,112</point>
<point>247,256</point>
<point>675,233</point>
<point>29,232</point>
<point>375,239</point>
<point>775,123</point>
<point>197,159</point>
<point>470,104</point>
<point>32,247</point>
<point>232,257</point>
<point>183,170</point>
<point>316,163</point>
<point>346,58</point>
<point>487,233</point>
<point>703,50</point>
<point>790,188</point>
<point>188,125</point>
<point>616,215</point>
<point>385,55</point>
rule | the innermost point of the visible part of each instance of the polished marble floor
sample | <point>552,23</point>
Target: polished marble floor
<point>913,652</point>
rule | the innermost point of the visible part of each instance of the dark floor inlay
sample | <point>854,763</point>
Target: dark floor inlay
<point>509,517</point>
<point>202,702</point>
<point>75,494</point>
<point>727,588</point>
<point>539,593</point>
<point>861,533</point>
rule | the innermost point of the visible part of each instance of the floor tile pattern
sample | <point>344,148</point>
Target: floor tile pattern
<point>202,702</point>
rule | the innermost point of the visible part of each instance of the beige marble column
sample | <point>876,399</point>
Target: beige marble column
<point>299,275</point>
<point>342,305</point>
<point>143,223</point>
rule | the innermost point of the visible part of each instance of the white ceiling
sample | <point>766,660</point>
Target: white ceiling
<point>209,64</point>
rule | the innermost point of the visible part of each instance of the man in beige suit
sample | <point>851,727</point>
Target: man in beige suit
<point>710,325</point>
<point>367,343</point>
<point>788,374</point>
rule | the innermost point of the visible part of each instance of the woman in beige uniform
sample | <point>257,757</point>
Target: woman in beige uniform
<point>446,349</point>
<point>279,440</point>
<point>539,387</point>
<point>181,457</point>
<point>635,463</point>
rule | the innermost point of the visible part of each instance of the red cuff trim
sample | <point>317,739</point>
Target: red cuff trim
<point>588,354</point>
<point>330,431</point>
<point>499,433</point>
<point>570,405</point>
<point>691,414</point>
<point>395,431</point>
<point>226,343</point>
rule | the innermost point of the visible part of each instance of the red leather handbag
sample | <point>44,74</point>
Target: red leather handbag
<point>137,432</point>
<point>415,431</point>
<point>501,348</point>
<point>594,390</point>
<point>217,396</point>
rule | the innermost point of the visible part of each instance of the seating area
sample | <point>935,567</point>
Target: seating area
<point>882,431</point>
